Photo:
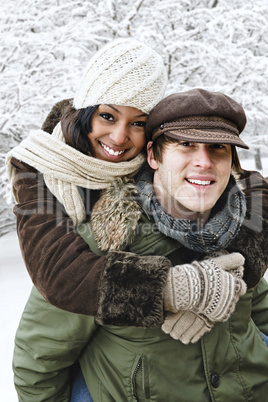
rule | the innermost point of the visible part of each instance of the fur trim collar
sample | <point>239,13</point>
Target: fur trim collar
<point>115,216</point>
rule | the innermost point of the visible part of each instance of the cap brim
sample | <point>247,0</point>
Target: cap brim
<point>206,137</point>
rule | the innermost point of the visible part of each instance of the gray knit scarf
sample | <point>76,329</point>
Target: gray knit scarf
<point>223,225</point>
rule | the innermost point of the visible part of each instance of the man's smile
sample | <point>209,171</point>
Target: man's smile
<point>200,182</point>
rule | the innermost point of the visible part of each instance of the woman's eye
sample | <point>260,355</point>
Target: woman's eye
<point>139,123</point>
<point>107,116</point>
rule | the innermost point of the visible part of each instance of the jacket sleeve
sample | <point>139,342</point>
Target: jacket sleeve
<point>260,306</point>
<point>47,343</point>
<point>64,269</point>
<point>252,239</point>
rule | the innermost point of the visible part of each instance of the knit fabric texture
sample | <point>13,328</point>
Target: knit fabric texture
<point>64,168</point>
<point>223,225</point>
<point>211,287</point>
<point>124,72</point>
<point>186,326</point>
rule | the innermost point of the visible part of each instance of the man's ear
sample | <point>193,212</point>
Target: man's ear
<point>150,156</point>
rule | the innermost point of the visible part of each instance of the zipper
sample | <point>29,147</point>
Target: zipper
<point>134,379</point>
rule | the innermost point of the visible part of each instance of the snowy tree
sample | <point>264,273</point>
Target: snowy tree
<point>215,44</point>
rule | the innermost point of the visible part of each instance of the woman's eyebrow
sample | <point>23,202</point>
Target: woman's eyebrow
<point>142,115</point>
<point>114,108</point>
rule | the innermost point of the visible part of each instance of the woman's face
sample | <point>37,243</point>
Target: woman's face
<point>117,133</point>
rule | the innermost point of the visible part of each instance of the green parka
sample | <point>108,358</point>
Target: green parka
<point>121,364</point>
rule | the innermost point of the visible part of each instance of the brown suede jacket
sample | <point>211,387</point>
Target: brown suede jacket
<point>73,278</point>
<point>67,273</point>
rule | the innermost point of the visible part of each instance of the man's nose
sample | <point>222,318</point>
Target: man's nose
<point>202,157</point>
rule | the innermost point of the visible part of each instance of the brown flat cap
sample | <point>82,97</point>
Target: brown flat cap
<point>198,116</point>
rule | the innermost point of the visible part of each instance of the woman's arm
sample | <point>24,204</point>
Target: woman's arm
<point>59,262</point>
<point>252,239</point>
<point>67,273</point>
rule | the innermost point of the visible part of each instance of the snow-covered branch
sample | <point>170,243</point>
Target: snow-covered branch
<point>204,43</point>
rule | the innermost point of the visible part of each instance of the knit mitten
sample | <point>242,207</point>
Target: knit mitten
<point>206,287</point>
<point>186,326</point>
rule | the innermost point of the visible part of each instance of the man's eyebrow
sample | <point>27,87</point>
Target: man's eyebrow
<point>118,111</point>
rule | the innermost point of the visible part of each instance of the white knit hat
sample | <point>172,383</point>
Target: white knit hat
<point>124,72</point>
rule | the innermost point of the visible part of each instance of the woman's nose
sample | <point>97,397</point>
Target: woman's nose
<point>119,135</point>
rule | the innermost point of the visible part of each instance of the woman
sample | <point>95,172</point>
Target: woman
<point>125,73</point>
<point>63,173</point>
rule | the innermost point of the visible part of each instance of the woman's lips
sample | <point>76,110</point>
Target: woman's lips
<point>112,152</point>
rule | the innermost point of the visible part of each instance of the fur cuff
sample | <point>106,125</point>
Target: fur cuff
<point>131,293</point>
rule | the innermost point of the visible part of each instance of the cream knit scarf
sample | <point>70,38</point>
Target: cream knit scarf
<point>64,168</point>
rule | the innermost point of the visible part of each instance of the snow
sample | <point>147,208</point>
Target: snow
<point>15,285</point>
<point>249,164</point>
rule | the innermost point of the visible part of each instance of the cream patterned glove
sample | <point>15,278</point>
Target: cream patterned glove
<point>186,326</point>
<point>206,287</point>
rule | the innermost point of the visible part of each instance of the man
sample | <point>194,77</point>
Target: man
<point>192,210</point>
<point>191,196</point>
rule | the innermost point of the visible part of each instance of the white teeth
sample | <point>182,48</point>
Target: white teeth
<point>201,182</point>
<point>111,151</point>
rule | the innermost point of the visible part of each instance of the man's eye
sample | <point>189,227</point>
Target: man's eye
<point>186,143</point>
<point>139,123</point>
<point>107,116</point>
<point>218,146</point>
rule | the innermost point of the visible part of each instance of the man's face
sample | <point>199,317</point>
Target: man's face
<point>191,177</point>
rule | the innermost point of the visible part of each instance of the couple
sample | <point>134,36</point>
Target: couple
<point>161,310</point>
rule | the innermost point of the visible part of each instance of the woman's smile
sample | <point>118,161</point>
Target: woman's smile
<point>112,151</point>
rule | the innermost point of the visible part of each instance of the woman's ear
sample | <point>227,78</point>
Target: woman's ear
<point>150,156</point>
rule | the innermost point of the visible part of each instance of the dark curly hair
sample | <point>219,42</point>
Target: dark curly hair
<point>76,125</point>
